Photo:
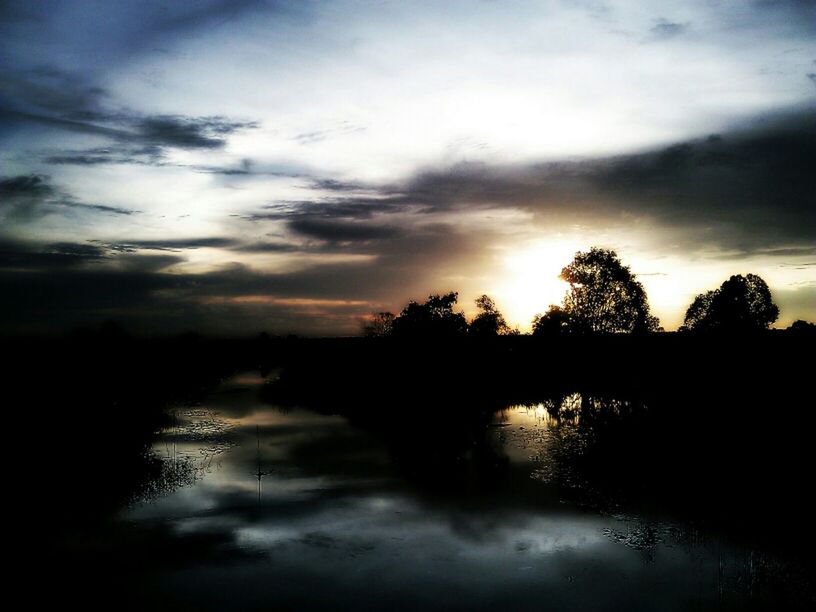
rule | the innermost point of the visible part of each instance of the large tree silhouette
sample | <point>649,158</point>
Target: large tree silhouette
<point>604,296</point>
<point>742,303</point>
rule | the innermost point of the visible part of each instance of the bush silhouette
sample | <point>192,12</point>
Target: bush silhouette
<point>554,322</point>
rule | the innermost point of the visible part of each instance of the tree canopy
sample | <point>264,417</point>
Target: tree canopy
<point>604,296</point>
<point>434,318</point>
<point>742,303</point>
<point>489,321</point>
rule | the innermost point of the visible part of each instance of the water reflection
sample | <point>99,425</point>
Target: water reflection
<point>302,509</point>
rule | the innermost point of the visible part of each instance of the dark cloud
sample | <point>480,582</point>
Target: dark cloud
<point>341,231</point>
<point>128,31</point>
<point>61,256</point>
<point>664,29</point>
<point>16,255</point>
<point>122,154</point>
<point>13,118</point>
<point>189,132</point>
<point>348,207</point>
<point>69,95</point>
<point>27,197</point>
<point>69,202</point>
<point>748,190</point>
<point>335,185</point>
<point>271,247</point>
<point>30,186</point>
<point>67,101</point>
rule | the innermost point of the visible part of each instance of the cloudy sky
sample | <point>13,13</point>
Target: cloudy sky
<point>293,165</point>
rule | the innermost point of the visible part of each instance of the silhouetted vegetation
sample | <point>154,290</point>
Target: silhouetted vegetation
<point>803,327</point>
<point>380,325</point>
<point>434,318</point>
<point>741,304</point>
<point>489,322</point>
<point>604,296</point>
<point>554,322</point>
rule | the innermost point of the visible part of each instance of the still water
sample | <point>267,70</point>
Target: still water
<point>270,508</point>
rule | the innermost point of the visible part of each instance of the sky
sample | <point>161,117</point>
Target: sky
<point>232,167</point>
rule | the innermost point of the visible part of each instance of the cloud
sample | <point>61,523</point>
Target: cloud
<point>31,186</point>
<point>747,190</point>
<point>124,154</point>
<point>349,207</point>
<point>70,95</point>
<point>128,32</point>
<point>665,29</point>
<point>335,185</point>
<point>66,101</point>
<point>344,128</point>
<point>69,202</point>
<point>27,197</point>
<point>68,285</point>
<point>168,245</point>
<point>750,190</point>
<point>341,231</point>
<point>16,255</point>
<point>188,132</point>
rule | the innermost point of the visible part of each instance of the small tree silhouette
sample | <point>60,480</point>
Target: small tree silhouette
<point>604,296</point>
<point>742,303</point>
<point>489,321</point>
<point>379,326</point>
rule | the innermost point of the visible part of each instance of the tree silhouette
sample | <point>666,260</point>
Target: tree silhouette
<point>742,303</point>
<point>604,296</point>
<point>433,319</point>
<point>380,325</point>
<point>554,322</point>
<point>489,321</point>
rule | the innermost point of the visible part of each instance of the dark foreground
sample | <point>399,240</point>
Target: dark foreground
<point>666,472</point>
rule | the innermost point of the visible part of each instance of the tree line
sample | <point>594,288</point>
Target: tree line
<point>604,297</point>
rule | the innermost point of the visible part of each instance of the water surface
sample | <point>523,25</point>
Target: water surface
<point>261,507</point>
